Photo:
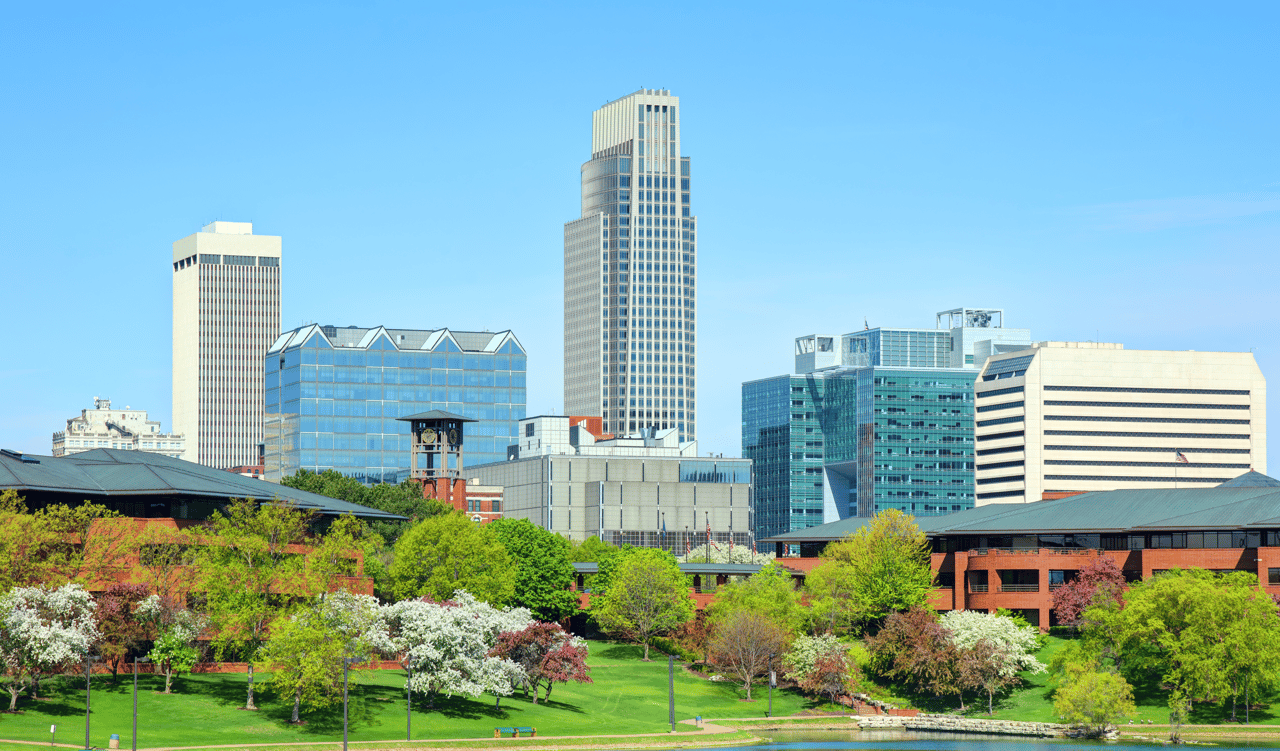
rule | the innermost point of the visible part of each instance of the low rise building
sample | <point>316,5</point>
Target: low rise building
<point>1016,556</point>
<point>1068,417</point>
<point>648,490</point>
<point>125,429</point>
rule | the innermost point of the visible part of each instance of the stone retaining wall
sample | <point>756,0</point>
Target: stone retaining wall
<point>953,724</point>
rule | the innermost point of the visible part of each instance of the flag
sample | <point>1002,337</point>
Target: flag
<point>1179,456</point>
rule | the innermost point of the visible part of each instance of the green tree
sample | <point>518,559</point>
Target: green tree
<point>1091,697</point>
<point>647,596</point>
<point>1205,636</point>
<point>305,651</point>
<point>591,550</point>
<point>403,499</point>
<point>890,566</point>
<point>251,567</point>
<point>833,607</point>
<point>446,553</point>
<point>770,591</point>
<point>543,571</point>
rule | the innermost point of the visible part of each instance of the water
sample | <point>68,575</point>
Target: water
<point>910,740</point>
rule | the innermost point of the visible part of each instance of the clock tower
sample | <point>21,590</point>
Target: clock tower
<point>436,455</point>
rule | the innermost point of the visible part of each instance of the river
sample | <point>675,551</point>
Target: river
<point>900,740</point>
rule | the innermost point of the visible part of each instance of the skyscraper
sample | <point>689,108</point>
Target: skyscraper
<point>630,274</point>
<point>226,313</point>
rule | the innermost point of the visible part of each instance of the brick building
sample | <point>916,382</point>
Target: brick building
<point>1015,555</point>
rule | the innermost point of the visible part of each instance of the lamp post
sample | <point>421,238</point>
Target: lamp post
<point>671,691</point>
<point>770,685</point>
<point>408,703</point>
<point>347,662</point>
<point>136,660</point>
<point>88,692</point>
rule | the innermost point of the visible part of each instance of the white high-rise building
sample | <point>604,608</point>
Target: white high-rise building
<point>1058,418</point>
<point>630,274</point>
<point>226,313</point>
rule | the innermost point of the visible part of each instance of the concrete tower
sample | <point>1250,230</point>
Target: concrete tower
<point>630,274</point>
<point>226,313</point>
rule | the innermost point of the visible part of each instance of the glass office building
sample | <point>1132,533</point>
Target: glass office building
<point>856,441</point>
<point>782,434</point>
<point>899,438</point>
<point>333,396</point>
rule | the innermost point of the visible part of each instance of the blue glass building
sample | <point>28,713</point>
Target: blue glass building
<point>333,396</point>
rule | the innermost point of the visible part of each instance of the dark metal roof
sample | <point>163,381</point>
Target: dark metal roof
<point>435,414</point>
<point>109,473</point>
<point>1112,511</point>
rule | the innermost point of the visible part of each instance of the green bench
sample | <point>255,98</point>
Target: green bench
<point>515,732</point>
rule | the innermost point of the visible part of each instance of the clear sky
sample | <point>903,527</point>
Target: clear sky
<point>1099,170</point>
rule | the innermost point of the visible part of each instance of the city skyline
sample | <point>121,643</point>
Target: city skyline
<point>1105,172</point>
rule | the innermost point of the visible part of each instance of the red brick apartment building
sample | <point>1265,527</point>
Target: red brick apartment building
<point>1015,555</point>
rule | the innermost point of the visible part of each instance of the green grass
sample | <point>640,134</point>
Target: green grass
<point>627,696</point>
<point>1033,701</point>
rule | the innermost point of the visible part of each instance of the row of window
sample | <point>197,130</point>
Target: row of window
<point>997,407</point>
<point>1126,390</point>
<point>1146,449</point>
<point>1184,420</point>
<point>1143,405</point>
<point>1171,462</point>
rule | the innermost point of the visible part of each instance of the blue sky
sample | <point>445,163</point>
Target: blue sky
<point>1098,170</point>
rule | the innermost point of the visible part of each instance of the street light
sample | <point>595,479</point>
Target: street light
<point>347,662</point>
<point>771,681</point>
<point>671,691</point>
<point>136,660</point>
<point>408,702</point>
<point>88,692</point>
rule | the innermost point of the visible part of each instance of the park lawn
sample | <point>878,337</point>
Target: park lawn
<point>627,696</point>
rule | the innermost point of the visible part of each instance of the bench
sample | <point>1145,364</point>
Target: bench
<point>515,732</point>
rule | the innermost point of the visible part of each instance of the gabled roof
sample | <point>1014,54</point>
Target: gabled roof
<point>108,473</point>
<point>1252,479</point>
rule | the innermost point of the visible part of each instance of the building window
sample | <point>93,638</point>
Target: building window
<point>528,430</point>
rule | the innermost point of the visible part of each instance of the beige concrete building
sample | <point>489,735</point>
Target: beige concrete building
<point>105,427</point>
<point>226,313</point>
<point>630,274</point>
<point>1064,417</point>
<point>621,490</point>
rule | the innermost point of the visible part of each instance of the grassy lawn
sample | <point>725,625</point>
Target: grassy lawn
<point>628,696</point>
<point>1033,702</point>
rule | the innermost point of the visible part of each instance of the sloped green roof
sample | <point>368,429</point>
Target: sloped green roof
<point>109,473</point>
<point>1253,504</point>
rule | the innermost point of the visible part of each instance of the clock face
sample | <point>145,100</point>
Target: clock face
<point>427,435</point>
<point>453,438</point>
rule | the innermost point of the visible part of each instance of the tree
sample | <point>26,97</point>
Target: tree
<point>770,591</point>
<point>980,666</point>
<point>404,499</point>
<point>890,566</point>
<point>86,543</point>
<point>448,644</point>
<point>1013,644</point>
<point>832,590</point>
<point>24,538</point>
<point>547,654</point>
<point>914,648</point>
<point>821,665</point>
<point>42,631</point>
<point>165,556</point>
<point>175,651</point>
<point>1183,625</point>
<point>119,626</point>
<point>542,568</point>
<point>1092,698</point>
<point>305,651</point>
<point>744,642</point>
<point>591,550</point>
<point>805,652</point>
<point>450,552</point>
<point>1098,581</point>
<point>250,567</point>
<point>646,596</point>
<point>726,554</point>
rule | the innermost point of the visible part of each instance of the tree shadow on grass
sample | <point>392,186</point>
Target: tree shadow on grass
<point>623,652</point>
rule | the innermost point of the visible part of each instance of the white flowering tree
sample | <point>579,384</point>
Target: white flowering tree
<point>805,653</point>
<point>448,644</point>
<point>174,650</point>
<point>42,630</point>
<point>996,649</point>
<point>725,554</point>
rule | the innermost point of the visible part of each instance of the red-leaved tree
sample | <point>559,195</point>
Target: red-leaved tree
<point>121,630</point>
<point>833,675</point>
<point>914,648</point>
<point>547,654</point>
<point>1098,582</point>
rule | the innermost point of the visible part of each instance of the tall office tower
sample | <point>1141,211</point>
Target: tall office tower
<point>226,313</point>
<point>1066,417</point>
<point>630,274</point>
